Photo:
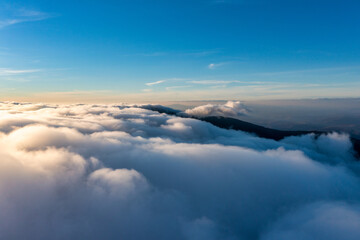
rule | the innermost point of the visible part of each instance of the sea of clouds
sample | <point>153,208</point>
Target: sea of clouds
<point>125,172</point>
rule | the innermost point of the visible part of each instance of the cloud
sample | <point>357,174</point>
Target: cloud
<point>123,172</point>
<point>331,221</point>
<point>166,80</point>
<point>154,83</point>
<point>215,65</point>
<point>229,109</point>
<point>22,15</point>
<point>9,72</point>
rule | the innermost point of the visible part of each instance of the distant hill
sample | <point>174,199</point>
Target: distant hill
<point>236,124</point>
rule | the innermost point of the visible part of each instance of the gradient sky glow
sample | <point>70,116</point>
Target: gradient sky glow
<point>133,50</point>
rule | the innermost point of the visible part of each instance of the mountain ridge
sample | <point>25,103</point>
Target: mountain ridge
<point>240,125</point>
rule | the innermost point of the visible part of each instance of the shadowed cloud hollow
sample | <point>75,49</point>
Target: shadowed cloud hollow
<point>124,172</point>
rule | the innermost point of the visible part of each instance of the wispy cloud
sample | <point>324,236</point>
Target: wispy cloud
<point>166,80</point>
<point>30,13</point>
<point>15,16</point>
<point>11,72</point>
<point>213,66</point>
<point>154,83</point>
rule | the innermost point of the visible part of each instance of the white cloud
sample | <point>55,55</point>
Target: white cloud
<point>164,80</point>
<point>22,15</point>
<point>121,172</point>
<point>229,109</point>
<point>215,65</point>
<point>8,71</point>
<point>154,83</point>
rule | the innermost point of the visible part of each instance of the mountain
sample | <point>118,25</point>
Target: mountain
<point>236,124</point>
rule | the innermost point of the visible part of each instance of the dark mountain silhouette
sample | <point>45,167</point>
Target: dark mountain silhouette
<point>236,124</point>
<point>161,109</point>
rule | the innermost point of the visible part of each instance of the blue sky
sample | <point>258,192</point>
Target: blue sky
<point>179,50</point>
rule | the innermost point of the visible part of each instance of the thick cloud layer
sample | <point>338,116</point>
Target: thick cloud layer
<point>123,172</point>
<point>232,109</point>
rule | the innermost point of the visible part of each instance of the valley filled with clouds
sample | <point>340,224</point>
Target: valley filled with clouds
<point>125,172</point>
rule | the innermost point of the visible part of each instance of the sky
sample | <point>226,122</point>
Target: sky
<point>145,51</point>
